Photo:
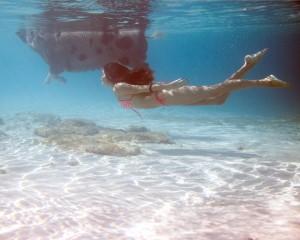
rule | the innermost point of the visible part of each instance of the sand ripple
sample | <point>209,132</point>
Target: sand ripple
<point>210,184</point>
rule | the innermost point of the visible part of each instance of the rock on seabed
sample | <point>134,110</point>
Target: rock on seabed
<point>83,135</point>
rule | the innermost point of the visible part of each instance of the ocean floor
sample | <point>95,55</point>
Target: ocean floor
<point>166,176</point>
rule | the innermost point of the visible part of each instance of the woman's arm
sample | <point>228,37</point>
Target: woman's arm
<point>123,89</point>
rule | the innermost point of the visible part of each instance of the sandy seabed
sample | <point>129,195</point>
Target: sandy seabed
<point>210,177</point>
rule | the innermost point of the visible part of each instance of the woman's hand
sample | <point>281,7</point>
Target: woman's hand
<point>176,84</point>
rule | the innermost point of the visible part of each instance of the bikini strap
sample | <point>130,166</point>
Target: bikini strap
<point>137,113</point>
<point>132,97</point>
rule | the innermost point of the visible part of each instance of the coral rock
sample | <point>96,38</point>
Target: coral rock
<point>85,136</point>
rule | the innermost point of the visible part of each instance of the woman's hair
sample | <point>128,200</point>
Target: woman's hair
<point>117,73</point>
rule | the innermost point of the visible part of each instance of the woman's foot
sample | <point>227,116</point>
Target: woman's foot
<point>251,60</point>
<point>275,82</point>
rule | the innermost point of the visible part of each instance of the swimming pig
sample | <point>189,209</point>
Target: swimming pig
<point>75,51</point>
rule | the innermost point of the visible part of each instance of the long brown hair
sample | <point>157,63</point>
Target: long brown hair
<point>117,73</point>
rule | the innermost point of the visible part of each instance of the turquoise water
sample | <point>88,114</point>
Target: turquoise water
<point>75,165</point>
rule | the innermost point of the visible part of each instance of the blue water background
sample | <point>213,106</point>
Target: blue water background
<point>228,175</point>
<point>204,56</point>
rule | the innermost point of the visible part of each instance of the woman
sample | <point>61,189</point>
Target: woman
<point>135,88</point>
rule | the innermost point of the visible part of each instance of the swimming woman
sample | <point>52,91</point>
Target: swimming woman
<point>136,89</point>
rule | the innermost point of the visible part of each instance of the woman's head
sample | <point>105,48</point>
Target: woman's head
<point>116,73</point>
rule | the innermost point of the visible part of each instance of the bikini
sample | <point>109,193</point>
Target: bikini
<point>128,103</point>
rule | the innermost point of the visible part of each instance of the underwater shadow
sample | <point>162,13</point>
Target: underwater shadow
<point>206,153</point>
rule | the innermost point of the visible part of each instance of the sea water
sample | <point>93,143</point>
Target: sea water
<point>214,172</point>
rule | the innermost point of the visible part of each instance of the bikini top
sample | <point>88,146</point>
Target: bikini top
<point>128,103</point>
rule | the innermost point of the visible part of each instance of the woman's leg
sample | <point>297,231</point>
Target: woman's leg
<point>194,95</point>
<point>249,62</point>
<point>211,101</point>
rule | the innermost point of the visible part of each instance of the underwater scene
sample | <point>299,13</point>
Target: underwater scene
<point>207,149</point>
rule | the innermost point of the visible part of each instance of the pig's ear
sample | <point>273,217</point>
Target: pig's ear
<point>51,77</point>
